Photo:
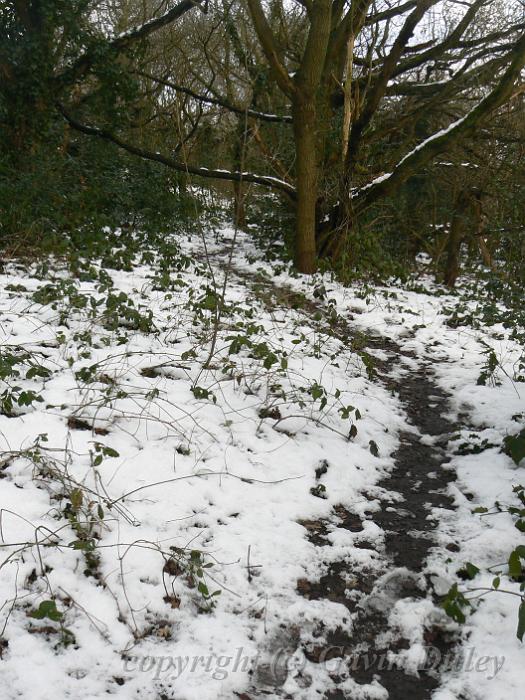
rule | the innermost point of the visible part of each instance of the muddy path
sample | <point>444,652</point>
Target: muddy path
<point>417,483</point>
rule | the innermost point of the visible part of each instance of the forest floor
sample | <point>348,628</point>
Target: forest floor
<point>270,501</point>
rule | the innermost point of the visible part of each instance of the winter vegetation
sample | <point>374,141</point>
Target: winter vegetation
<point>262,349</point>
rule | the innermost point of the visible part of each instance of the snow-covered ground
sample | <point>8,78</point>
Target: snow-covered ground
<point>159,486</point>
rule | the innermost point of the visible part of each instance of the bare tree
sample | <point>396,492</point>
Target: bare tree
<point>338,69</point>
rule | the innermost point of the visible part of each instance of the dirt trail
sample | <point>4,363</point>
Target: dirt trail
<point>420,478</point>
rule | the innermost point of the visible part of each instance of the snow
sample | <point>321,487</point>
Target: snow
<point>262,178</point>
<point>376,181</point>
<point>139,29</point>
<point>463,165</point>
<point>267,178</point>
<point>419,147</point>
<point>211,474</point>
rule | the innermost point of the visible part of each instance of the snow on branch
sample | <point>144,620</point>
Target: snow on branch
<point>233,176</point>
<point>386,185</point>
<point>419,147</point>
<point>153,25</point>
<point>263,116</point>
<point>83,63</point>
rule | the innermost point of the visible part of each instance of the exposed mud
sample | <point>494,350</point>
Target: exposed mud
<point>418,482</point>
<point>421,478</point>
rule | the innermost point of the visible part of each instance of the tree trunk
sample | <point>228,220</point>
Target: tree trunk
<point>239,210</point>
<point>304,123</point>
<point>241,137</point>
<point>455,239</point>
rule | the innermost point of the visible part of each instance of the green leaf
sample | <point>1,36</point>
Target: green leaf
<point>514,446</point>
<point>316,391</point>
<point>26,398</point>
<point>37,371</point>
<point>521,622</point>
<point>269,360</point>
<point>496,582</point>
<point>471,570</point>
<point>454,611</point>
<point>47,608</point>
<point>110,452</point>
<point>201,393</point>
<point>453,603</point>
<point>514,565</point>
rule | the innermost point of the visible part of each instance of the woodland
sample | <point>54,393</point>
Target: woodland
<point>373,130</point>
<point>262,349</point>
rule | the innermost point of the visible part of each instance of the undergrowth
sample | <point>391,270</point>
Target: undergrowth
<point>95,333</point>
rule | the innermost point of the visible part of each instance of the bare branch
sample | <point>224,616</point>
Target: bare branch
<point>269,46</point>
<point>235,176</point>
<point>121,42</point>
<point>219,101</point>
<point>422,154</point>
<point>392,12</point>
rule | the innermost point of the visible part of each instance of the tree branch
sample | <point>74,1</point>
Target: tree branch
<point>388,14</point>
<point>422,154</point>
<point>453,40</point>
<point>379,85</point>
<point>123,40</point>
<point>180,166</point>
<point>84,62</point>
<point>219,101</point>
<point>269,46</point>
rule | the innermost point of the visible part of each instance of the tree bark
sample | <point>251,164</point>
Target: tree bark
<point>239,210</point>
<point>455,239</point>
<point>304,122</point>
<point>239,194</point>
